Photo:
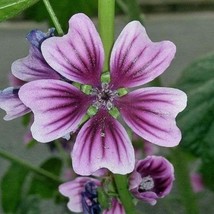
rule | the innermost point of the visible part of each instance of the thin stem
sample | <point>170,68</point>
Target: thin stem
<point>188,198</point>
<point>53,17</point>
<point>28,166</point>
<point>106,13</point>
<point>121,183</point>
<point>63,154</point>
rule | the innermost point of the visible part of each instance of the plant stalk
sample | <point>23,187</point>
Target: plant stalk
<point>180,162</point>
<point>53,17</point>
<point>25,164</point>
<point>106,13</point>
<point>121,183</point>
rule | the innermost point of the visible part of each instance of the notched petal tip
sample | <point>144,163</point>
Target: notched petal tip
<point>136,60</point>
<point>103,143</point>
<point>151,113</point>
<point>11,103</point>
<point>58,108</point>
<point>79,54</point>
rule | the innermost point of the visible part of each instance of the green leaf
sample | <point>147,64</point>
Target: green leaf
<point>42,186</point>
<point>197,120</point>
<point>11,187</point>
<point>29,205</point>
<point>10,8</point>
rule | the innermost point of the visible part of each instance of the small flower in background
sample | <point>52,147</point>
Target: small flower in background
<point>197,182</point>
<point>75,191</point>
<point>59,107</point>
<point>83,197</point>
<point>152,179</point>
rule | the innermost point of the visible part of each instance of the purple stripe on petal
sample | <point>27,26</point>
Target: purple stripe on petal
<point>136,60</point>
<point>151,113</point>
<point>102,143</point>
<point>78,55</point>
<point>10,102</point>
<point>58,108</point>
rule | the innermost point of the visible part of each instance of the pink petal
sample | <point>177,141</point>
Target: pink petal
<point>73,189</point>
<point>151,113</point>
<point>136,60</point>
<point>58,107</point>
<point>103,143</point>
<point>33,67</point>
<point>10,102</point>
<point>116,208</point>
<point>78,55</point>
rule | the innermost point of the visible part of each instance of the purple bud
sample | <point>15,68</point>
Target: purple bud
<point>90,202</point>
<point>152,179</point>
<point>36,37</point>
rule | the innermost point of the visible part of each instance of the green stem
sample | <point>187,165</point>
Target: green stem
<point>188,198</point>
<point>53,17</point>
<point>28,166</point>
<point>106,13</point>
<point>121,183</point>
<point>65,156</point>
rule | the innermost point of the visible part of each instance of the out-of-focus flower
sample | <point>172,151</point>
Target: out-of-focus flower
<point>59,106</point>
<point>152,179</point>
<point>197,182</point>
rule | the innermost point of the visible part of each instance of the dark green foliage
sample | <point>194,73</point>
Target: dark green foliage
<point>197,120</point>
<point>11,187</point>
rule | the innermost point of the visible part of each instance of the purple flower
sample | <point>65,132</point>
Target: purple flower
<point>32,67</point>
<point>82,196</point>
<point>152,179</point>
<point>59,106</point>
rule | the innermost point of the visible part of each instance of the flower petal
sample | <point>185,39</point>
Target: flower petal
<point>10,102</point>
<point>136,60</point>
<point>78,55</point>
<point>33,67</point>
<point>103,143</point>
<point>73,190</point>
<point>58,107</point>
<point>116,208</point>
<point>151,113</point>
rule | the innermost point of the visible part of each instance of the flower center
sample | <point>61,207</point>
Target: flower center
<point>147,183</point>
<point>104,96</point>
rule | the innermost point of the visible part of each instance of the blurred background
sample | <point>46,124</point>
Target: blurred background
<point>187,23</point>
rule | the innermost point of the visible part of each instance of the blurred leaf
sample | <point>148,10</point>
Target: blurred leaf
<point>11,187</point>
<point>10,8</point>
<point>29,205</point>
<point>207,171</point>
<point>42,186</point>
<point>197,120</point>
<point>26,119</point>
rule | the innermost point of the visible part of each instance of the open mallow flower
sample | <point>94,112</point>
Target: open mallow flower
<point>60,106</point>
<point>152,179</point>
